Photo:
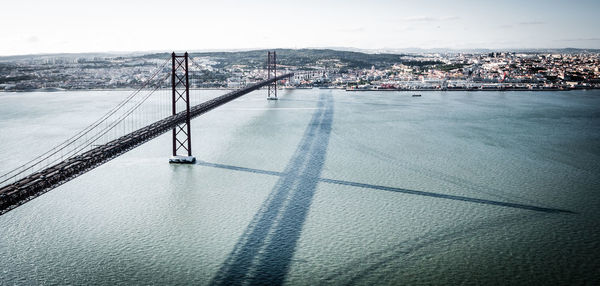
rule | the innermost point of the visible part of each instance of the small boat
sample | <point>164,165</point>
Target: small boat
<point>416,95</point>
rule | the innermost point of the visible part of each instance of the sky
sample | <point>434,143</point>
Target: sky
<point>72,26</point>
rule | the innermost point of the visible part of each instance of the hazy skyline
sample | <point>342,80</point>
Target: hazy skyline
<point>32,27</point>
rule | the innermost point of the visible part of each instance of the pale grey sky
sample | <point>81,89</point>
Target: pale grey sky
<point>32,26</point>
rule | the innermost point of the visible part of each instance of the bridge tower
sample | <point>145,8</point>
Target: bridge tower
<point>272,73</point>
<point>180,86</point>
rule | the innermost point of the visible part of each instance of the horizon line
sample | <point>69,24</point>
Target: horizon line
<point>335,48</point>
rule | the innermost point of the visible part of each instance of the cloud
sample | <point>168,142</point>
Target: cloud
<point>531,23</point>
<point>579,40</point>
<point>516,25</point>
<point>430,19</point>
<point>450,18</point>
<point>351,30</point>
<point>404,28</point>
<point>33,39</point>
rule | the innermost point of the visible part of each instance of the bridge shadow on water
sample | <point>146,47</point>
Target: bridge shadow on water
<point>264,252</point>
<point>397,190</point>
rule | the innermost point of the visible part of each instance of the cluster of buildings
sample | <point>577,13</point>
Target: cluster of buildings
<point>68,73</point>
<point>457,71</point>
<point>495,71</point>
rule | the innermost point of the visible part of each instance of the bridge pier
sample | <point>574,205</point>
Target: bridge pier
<point>180,86</point>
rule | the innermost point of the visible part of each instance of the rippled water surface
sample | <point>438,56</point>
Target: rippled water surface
<point>320,187</point>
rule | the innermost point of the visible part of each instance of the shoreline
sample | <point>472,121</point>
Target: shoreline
<point>96,89</point>
<point>348,90</point>
<point>474,90</point>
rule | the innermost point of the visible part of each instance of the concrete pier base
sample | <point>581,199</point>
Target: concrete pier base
<point>182,160</point>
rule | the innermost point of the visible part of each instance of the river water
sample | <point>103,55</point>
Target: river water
<point>319,187</point>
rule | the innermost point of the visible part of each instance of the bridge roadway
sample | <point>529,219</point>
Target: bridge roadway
<point>36,184</point>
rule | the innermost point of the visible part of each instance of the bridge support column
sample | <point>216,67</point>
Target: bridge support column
<point>182,134</point>
<point>272,73</point>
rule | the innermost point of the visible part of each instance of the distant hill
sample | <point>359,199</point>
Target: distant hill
<point>64,55</point>
<point>484,51</point>
<point>330,57</point>
<point>309,57</point>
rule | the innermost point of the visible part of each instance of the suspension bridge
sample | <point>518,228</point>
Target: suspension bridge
<point>165,102</point>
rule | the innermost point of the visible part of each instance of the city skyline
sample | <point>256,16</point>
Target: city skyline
<point>67,26</point>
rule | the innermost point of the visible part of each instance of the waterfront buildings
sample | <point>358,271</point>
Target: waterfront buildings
<point>506,70</point>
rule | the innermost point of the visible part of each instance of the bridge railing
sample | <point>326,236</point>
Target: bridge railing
<point>149,103</point>
<point>43,180</point>
<point>128,114</point>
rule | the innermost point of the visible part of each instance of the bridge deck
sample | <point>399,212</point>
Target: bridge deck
<point>36,184</point>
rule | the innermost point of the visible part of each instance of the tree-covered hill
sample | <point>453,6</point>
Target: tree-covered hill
<point>307,58</point>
